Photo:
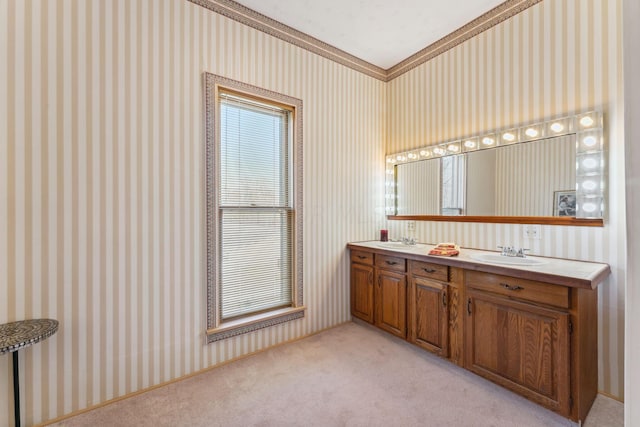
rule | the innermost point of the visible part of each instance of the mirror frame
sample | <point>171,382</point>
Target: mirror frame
<point>588,130</point>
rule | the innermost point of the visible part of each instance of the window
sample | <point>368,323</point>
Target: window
<point>453,185</point>
<point>254,208</point>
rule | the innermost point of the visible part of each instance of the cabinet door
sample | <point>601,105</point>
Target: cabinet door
<point>520,346</point>
<point>362,292</point>
<point>391,294</point>
<point>429,314</point>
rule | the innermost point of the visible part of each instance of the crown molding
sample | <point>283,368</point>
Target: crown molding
<point>490,19</point>
<point>260,22</point>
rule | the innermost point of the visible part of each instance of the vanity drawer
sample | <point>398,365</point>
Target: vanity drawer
<point>391,263</point>
<point>362,257</point>
<point>529,290</point>
<point>429,270</point>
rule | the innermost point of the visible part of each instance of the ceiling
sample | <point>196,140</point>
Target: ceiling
<point>380,32</point>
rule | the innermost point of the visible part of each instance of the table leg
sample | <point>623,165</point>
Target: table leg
<point>16,389</point>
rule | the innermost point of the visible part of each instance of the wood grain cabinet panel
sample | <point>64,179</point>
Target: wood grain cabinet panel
<point>391,263</point>
<point>512,287</point>
<point>362,257</point>
<point>362,292</point>
<point>429,270</point>
<point>429,314</point>
<point>520,346</point>
<point>391,300</point>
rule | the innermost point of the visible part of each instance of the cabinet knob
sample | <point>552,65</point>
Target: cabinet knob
<point>511,287</point>
<point>391,262</point>
<point>362,257</point>
<point>429,270</point>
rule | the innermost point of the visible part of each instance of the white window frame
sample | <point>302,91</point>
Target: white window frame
<point>216,328</point>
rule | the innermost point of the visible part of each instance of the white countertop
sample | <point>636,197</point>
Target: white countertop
<point>554,270</point>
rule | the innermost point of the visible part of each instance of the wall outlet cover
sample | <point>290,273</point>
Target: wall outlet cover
<point>411,226</point>
<point>532,231</point>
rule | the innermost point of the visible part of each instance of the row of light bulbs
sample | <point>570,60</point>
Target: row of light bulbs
<point>549,129</point>
<point>587,127</point>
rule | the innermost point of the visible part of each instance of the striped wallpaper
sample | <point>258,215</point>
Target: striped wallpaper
<point>418,190</point>
<point>101,189</point>
<point>527,175</point>
<point>558,57</point>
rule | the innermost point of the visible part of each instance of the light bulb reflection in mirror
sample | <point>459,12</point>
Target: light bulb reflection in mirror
<point>557,127</point>
<point>586,121</point>
<point>508,137</point>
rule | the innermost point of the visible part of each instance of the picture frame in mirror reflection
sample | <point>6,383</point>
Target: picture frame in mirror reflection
<point>564,203</point>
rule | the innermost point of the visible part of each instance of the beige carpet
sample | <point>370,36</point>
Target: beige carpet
<point>352,375</point>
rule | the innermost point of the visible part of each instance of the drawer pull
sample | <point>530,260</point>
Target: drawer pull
<point>510,287</point>
<point>391,262</point>
<point>444,299</point>
<point>429,270</point>
<point>362,257</point>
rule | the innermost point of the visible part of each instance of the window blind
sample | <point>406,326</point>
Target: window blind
<point>256,215</point>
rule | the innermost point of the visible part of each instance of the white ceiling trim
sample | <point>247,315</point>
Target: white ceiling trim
<point>258,21</point>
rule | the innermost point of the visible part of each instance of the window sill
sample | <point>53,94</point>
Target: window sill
<point>253,323</point>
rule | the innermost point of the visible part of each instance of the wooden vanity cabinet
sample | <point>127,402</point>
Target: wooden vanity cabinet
<point>362,285</point>
<point>538,339</point>
<point>391,294</point>
<point>428,307</point>
<point>520,346</point>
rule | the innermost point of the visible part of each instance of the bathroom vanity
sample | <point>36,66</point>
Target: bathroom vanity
<point>531,328</point>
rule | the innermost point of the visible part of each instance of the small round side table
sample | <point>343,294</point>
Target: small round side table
<point>18,335</point>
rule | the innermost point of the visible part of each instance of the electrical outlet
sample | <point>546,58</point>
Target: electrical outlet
<point>411,226</point>
<point>532,231</point>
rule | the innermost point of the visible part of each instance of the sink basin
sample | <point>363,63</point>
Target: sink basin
<point>401,246</point>
<point>507,260</point>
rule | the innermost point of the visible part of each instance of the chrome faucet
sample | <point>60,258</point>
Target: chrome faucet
<point>409,241</point>
<point>513,251</point>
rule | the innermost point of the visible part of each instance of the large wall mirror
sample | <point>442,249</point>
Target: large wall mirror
<point>550,173</point>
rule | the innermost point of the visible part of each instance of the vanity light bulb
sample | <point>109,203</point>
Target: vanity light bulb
<point>589,185</point>
<point>589,207</point>
<point>425,153</point>
<point>412,156</point>
<point>389,171</point>
<point>469,144</point>
<point>389,160</point>
<point>589,141</point>
<point>401,158</point>
<point>453,148</point>
<point>531,133</point>
<point>589,163</point>
<point>586,121</point>
<point>439,151</point>
<point>487,141</point>
<point>508,137</point>
<point>557,127</point>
